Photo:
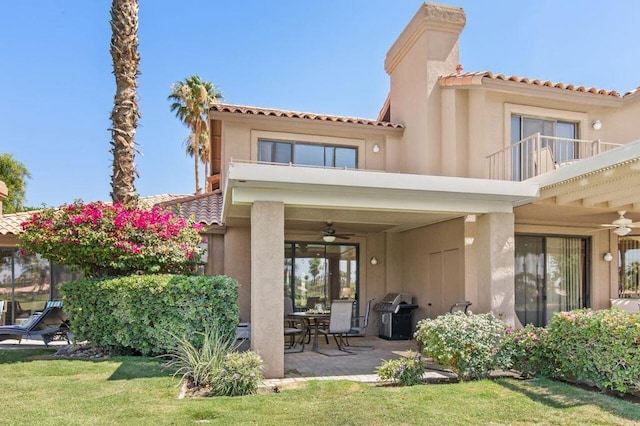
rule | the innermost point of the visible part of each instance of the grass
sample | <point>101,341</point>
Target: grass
<point>132,390</point>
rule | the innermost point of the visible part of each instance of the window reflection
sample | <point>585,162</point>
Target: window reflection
<point>27,282</point>
<point>319,273</point>
<point>307,154</point>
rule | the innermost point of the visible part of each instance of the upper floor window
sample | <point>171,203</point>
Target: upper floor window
<point>307,154</point>
<point>523,127</point>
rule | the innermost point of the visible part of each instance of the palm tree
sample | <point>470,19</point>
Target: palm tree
<point>191,100</point>
<point>125,114</point>
<point>203,149</point>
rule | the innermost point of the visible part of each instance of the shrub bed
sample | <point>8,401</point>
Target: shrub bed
<point>467,344</point>
<point>597,347</point>
<point>140,313</point>
<point>523,350</point>
<point>406,371</point>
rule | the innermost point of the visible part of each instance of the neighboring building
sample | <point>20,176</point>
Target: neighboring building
<point>468,186</point>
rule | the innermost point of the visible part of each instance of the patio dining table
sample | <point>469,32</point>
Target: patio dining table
<point>314,317</point>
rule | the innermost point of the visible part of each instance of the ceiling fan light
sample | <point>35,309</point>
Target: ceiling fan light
<point>329,238</point>
<point>622,231</point>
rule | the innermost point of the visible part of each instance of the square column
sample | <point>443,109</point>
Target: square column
<point>267,281</point>
<point>495,256</point>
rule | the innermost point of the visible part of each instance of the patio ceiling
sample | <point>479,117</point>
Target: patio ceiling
<point>365,201</point>
<point>590,192</point>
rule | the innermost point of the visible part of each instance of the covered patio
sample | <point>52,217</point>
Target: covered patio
<point>421,230</point>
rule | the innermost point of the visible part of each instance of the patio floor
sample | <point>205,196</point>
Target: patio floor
<point>311,365</point>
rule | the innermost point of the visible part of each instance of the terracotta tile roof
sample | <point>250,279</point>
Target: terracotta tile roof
<point>475,78</point>
<point>267,112</point>
<point>205,208</point>
<point>153,200</point>
<point>10,223</point>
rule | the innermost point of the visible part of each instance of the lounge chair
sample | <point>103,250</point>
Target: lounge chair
<point>49,325</point>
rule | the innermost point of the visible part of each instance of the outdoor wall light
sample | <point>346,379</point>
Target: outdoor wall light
<point>376,148</point>
<point>608,257</point>
<point>374,260</point>
<point>597,125</point>
<point>329,238</point>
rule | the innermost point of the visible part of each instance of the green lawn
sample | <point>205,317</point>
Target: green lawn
<point>130,390</point>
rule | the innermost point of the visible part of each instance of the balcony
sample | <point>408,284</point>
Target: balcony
<point>538,154</point>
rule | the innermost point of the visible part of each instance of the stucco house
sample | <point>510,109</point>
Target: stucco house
<point>467,186</point>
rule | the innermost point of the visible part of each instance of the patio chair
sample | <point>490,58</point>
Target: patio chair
<point>359,327</point>
<point>460,306</point>
<point>49,325</point>
<point>294,328</point>
<point>339,325</point>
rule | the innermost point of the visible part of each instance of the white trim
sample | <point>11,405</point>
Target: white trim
<point>370,190</point>
<point>626,153</point>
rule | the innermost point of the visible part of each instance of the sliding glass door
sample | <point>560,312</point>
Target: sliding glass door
<point>317,273</point>
<point>550,276</point>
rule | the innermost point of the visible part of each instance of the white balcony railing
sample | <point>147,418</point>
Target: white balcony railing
<point>538,154</point>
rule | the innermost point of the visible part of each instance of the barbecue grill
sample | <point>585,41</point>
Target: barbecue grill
<point>396,316</point>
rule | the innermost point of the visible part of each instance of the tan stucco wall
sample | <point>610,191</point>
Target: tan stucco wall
<point>622,124</point>
<point>433,267</point>
<point>495,256</point>
<point>267,276</point>
<point>237,264</point>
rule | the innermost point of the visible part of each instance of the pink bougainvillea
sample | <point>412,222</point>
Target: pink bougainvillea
<point>110,240</point>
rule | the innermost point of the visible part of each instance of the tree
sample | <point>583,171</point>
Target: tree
<point>101,239</point>
<point>191,100</point>
<point>125,114</point>
<point>14,174</point>
<point>203,149</point>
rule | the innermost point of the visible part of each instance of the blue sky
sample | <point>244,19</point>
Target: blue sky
<point>324,56</point>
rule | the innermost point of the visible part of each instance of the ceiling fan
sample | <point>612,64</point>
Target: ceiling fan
<point>622,225</point>
<point>329,234</point>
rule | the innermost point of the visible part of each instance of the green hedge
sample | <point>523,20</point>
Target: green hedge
<point>598,347</point>
<point>140,313</point>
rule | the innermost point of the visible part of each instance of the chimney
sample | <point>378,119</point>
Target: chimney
<point>3,194</point>
<point>425,50</point>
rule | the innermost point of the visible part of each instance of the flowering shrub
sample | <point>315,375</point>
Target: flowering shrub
<point>601,347</point>
<point>240,374</point>
<point>523,349</point>
<point>112,240</point>
<point>407,371</point>
<point>467,344</point>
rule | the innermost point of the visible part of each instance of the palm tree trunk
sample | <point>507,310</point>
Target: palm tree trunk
<point>196,158</point>
<point>125,114</point>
